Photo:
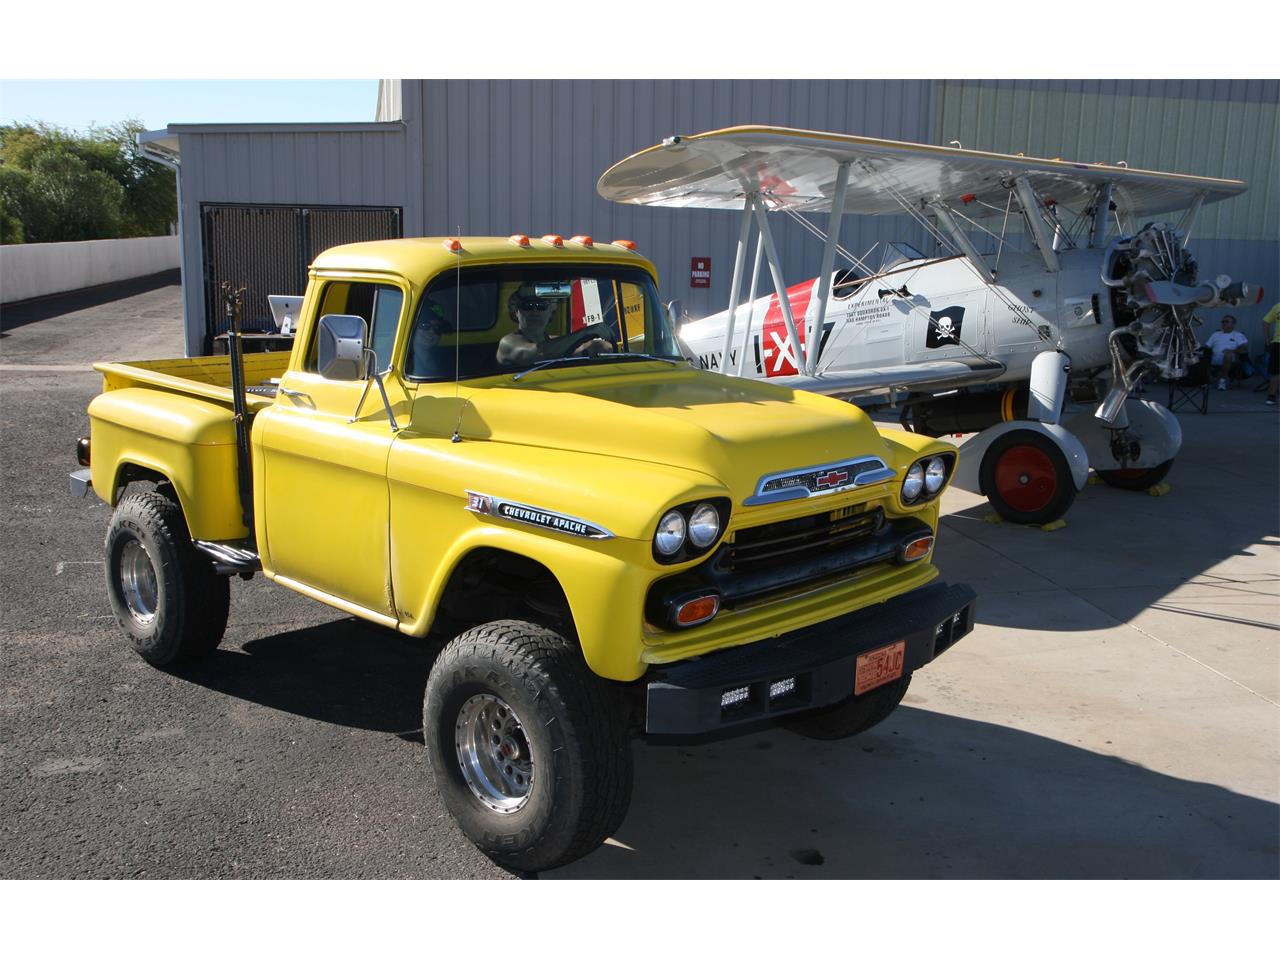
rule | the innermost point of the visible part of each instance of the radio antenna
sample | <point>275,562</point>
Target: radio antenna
<point>457,337</point>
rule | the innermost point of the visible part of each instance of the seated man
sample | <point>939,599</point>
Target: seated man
<point>528,343</point>
<point>1228,345</point>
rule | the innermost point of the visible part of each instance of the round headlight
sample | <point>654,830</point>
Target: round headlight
<point>670,536</point>
<point>704,525</point>
<point>914,483</point>
<point>935,474</point>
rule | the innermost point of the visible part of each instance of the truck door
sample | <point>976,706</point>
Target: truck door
<point>324,503</point>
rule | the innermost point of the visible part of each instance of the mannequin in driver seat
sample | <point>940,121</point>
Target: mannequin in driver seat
<point>528,343</point>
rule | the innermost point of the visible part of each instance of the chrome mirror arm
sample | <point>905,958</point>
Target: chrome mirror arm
<point>371,360</point>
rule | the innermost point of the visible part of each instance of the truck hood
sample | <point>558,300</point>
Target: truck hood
<point>732,430</point>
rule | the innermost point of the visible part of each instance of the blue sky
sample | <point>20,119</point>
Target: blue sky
<point>78,104</point>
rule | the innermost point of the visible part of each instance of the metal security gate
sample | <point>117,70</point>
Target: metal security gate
<point>267,249</point>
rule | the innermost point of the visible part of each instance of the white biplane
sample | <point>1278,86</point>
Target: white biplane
<point>1073,301</point>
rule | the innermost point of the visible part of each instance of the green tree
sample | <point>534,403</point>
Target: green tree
<point>59,185</point>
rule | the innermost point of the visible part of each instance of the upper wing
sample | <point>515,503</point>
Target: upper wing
<point>930,375</point>
<point>797,169</point>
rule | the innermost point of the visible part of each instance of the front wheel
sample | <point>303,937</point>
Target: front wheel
<point>1027,478</point>
<point>1136,478</point>
<point>166,595</point>
<point>850,716</point>
<point>528,748</point>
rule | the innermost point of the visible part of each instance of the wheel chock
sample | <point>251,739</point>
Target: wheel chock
<point>1094,480</point>
<point>1159,489</point>
<point>993,518</point>
<point>1053,525</point>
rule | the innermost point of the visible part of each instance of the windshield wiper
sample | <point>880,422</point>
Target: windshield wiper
<point>599,357</point>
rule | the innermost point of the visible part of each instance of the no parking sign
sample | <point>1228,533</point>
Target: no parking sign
<point>700,272</point>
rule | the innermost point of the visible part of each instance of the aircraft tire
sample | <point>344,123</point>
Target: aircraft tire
<point>1027,478</point>
<point>1136,479</point>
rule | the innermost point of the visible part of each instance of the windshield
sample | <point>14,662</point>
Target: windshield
<point>483,321</point>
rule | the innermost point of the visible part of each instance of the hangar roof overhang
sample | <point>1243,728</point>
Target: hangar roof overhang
<point>165,146</point>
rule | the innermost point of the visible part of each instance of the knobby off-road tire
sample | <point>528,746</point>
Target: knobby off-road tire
<point>167,597</point>
<point>852,716</point>
<point>1137,478</point>
<point>529,749</point>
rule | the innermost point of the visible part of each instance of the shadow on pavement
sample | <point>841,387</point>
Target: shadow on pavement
<point>922,795</point>
<point>347,672</point>
<point>925,795</point>
<point>29,311</point>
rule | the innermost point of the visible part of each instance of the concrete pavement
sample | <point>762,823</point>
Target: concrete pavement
<point>1116,713</point>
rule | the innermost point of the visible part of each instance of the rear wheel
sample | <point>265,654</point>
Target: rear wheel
<point>1136,478</point>
<point>167,597</point>
<point>851,716</point>
<point>529,749</point>
<point>1027,478</point>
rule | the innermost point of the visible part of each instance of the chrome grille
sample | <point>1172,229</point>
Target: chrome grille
<point>774,543</point>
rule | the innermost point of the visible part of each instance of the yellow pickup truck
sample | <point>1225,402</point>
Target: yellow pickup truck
<point>496,442</point>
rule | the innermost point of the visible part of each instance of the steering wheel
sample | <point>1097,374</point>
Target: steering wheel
<point>579,337</point>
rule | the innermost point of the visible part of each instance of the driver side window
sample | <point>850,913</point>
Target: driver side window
<point>378,303</point>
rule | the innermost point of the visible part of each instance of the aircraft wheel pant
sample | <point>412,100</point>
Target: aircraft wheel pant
<point>1151,437</point>
<point>1026,477</point>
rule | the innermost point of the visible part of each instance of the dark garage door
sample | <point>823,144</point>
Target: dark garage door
<point>267,249</point>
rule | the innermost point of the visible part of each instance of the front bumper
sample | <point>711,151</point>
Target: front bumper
<point>685,698</point>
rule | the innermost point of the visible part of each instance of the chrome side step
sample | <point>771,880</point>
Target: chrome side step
<point>230,556</point>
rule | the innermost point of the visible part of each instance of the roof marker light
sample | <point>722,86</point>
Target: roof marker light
<point>453,245</point>
<point>519,239</point>
<point>625,244</point>
<point>584,240</point>
<point>554,239</point>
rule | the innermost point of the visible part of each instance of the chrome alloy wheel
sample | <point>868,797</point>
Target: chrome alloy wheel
<point>494,753</point>
<point>138,581</point>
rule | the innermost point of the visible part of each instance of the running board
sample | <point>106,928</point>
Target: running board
<point>230,556</point>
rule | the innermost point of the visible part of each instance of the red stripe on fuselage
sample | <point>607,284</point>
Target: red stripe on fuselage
<point>775,345</point>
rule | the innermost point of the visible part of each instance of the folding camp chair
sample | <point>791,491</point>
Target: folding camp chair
<point>1192,389</point>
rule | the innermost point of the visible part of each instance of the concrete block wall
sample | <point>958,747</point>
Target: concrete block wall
<point>30,270</point>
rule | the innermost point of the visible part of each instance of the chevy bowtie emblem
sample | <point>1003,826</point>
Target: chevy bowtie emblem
<point>832,478</point>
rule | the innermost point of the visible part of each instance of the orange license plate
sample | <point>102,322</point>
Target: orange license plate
<point>877,667</point>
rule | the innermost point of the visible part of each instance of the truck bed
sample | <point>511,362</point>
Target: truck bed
<point>205,377</point>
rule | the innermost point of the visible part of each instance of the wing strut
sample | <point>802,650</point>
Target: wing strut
<point>1101,211</point>
<point>1030,203</point>
<point>961,240</point>
<point>735,288</point>
<point>751,312</point>
<point>1189,218</point>
<point>784,299</point>
<point>813,336</point>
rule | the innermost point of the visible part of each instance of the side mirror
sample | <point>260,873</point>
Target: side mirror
<point>675,314</point>
<point>340,349</point>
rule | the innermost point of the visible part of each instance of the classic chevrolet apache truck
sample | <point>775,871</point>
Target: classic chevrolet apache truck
<point>497,443</point>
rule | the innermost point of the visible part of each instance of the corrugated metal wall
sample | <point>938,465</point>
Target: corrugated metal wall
<point>1217,128</point>
<point>498,157</point>
<point>508,156</point>
<point>369,164</point>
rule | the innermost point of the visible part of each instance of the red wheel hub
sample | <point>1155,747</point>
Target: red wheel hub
<point>1025,479</point>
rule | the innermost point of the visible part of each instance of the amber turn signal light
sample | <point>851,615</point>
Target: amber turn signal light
<point>917,549</point>
<point>699,610</point>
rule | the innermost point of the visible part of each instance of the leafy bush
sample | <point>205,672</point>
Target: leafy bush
<point>56,185</point>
